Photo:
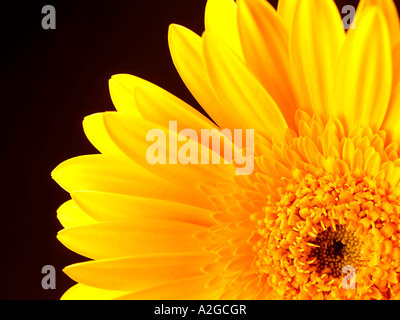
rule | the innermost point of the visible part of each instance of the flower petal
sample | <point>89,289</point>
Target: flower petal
<point>131,237</point>
<point>265,42</point>
<point>130,134</point>
<point>396,65</point>
<point>109,173</point>
<point>186,289</point>
<point>316,38</point>
<point>82,292</point>
<point>187,54</point>
<point>391,123</point>
<point>104,206</point>
<point>71,215</point>
<point>160,107</point>
<point>97,134</point>
<point>220,19</point>
<point>121,91</point>
<point>138,272</point>
<point>119,174</point>
<point>388,8</point>
<point>364,73</point>
<point>286,10</point>
<point>244,99</point>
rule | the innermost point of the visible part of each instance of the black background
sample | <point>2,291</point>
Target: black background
<point>49,81</point>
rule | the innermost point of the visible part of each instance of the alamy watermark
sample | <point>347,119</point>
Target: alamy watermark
<point>49,20</point>
<point>197,150</point>
<point>349,280</point>
<point>49,280</point>
<point>348,20</point>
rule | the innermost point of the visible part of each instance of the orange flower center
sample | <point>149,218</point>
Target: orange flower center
<point>332,214</point>
<point>322,224</point>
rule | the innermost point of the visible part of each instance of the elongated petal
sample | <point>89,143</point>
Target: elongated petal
<point>187,54</point>
<point>104,206</point>
<point>221,20</point>
<point>103,173</point>
<point>265,42</point>
<point>130,134</point>
<point>396,65</point>
<point>82,292</point>
<point>364,72</point>
<point>139,272</point>
<point>121,91</point>
<point>97,134</point>
<point>243,97</point>
<point>128,238</point>
<point>71,215</point>
<point>316,38</point>
<point>286,10</point>
<point>186,289</point>
<point>391,123</point>
<point>389,10</point>
<point>160,107</point>
<point>118,174</point>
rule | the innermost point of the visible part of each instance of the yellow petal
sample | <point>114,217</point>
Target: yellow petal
<point>131,237</point>
<point>71,215</point>
<point>187,54</point>
<point>82,292</point>
<point>118,174</point>
<point>364,73</point>
<point>130,134</point>
<point>220,19</point>
<point>316,38</point>
<point>286,10</point>
<point>160,107</point>
<point>243,97</point>
<point>138,272</point>
<point>121,92</point>
<point>104,206</point>
<point>109,173</point>
<point>125,87</point>
<point>388,8</point>
<point>265,42</point>
<point>391,123</point>
<point>186,289</point>
<point>348,151</point>
<point>396,65</point>
<point>96,133</point>
<point>372,163</point>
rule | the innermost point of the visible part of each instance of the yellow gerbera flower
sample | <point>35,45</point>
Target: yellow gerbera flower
<point>318,218</point>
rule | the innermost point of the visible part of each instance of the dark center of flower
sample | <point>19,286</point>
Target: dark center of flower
<point>334,249</point>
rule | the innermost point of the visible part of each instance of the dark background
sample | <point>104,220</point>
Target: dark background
<point>49,81</point>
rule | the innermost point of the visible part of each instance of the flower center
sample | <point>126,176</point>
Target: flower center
<point>335,249</point>
<point>314,229</point>
<point>331,205</point>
